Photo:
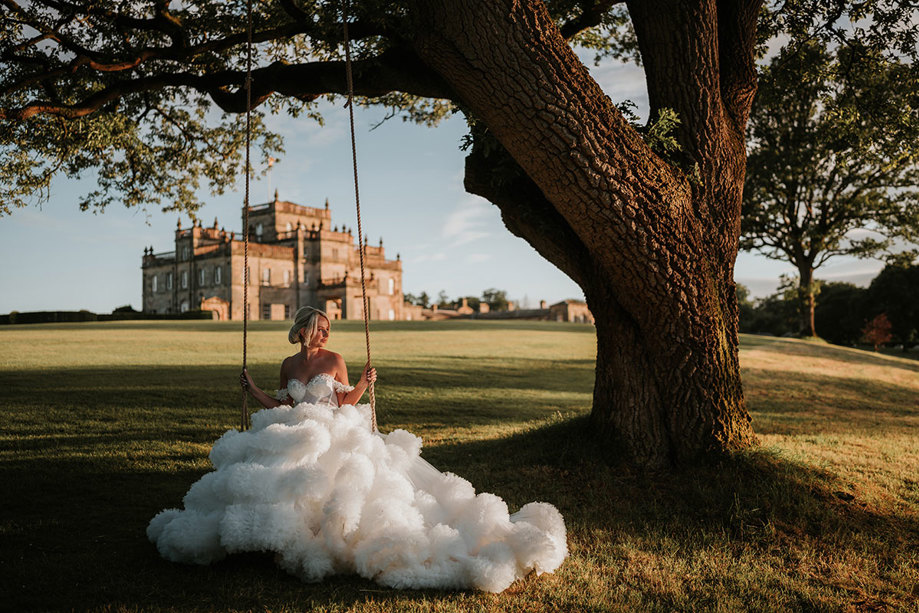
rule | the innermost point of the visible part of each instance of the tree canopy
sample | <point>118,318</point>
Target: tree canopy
<point>833,166</point>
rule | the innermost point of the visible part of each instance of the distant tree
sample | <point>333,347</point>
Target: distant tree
<point>776,314</point>
<point>841,312</point>
<point>895,292</point>
<point>471,301</point>
<point>424,301</point>
<point>443,300</point>
<point>877,332</point>
<point>745,310</point>
<point>834,151</point>
<point>496,299</point>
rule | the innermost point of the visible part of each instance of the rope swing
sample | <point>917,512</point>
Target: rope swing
<point>362,245</point>
<point>244,422</point>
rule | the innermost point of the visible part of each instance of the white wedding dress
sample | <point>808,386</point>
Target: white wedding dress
<point>313,484</point>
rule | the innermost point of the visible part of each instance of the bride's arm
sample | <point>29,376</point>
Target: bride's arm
<point>264,399</point>
<point>368,374</point>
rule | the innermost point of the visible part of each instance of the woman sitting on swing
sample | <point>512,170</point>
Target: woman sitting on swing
<point>314,483</point>
<point>312,367</point>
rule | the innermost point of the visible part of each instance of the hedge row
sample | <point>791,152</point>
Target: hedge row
<point>43,317</point>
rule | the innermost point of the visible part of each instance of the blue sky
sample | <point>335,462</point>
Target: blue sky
<point>57,258</point>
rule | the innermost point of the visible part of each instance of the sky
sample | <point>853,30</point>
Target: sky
<point>411,183</point>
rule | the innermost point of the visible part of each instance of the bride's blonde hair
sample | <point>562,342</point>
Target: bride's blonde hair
<point>306,319</point>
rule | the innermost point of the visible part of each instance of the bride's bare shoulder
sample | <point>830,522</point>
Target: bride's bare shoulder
<point>331,356</point>
<point>288,362</point>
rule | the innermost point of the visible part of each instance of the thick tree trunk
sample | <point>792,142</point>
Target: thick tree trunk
<point>653,251</point>
<point>666,404</point>
<point>667,398</point>
<point>667,390</point>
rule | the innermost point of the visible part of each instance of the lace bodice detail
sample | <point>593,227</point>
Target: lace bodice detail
<point>321,389</point>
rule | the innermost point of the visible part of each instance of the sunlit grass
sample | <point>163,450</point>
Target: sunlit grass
<point>105,424</point>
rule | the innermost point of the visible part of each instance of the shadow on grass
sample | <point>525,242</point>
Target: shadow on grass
<point>849,355</point>
<point>74,528</point>
<point>523,390</point>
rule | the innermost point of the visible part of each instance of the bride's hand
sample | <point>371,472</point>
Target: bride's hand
<point>369,375</point>
<point>245,380</point>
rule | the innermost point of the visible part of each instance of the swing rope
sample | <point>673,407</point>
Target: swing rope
<point>362,244</point>
<point>244,422</point>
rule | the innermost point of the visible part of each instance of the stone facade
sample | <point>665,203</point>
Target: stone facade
<point>571,310</point>
<point>296,258</point>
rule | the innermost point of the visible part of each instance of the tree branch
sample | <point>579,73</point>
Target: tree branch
<point>736,41</point>
<point>592,12</point>
<point>679,47</point>
<point>393,70</point>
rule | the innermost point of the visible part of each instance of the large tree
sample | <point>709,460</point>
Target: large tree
<point>650,234</point>
<point>833,166</point>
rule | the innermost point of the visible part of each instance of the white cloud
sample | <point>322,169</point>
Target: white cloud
<point>475,258</point>
<point>428,257</point>
<point>469,222</point>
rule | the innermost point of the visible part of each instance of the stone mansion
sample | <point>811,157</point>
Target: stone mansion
<point>296,258</point>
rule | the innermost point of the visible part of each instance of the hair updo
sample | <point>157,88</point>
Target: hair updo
<point>307,319</point>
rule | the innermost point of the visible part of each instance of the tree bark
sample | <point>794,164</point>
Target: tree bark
<point>652,251</point>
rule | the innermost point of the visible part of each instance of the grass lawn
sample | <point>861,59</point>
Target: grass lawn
<point>106,424</point>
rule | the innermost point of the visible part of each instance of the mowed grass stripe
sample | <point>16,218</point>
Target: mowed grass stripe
<point>107,423</point>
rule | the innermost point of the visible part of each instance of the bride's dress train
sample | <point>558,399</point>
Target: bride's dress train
<point>313,484</point>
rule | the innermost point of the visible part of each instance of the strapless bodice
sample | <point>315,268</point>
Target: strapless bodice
<point>322,389</point>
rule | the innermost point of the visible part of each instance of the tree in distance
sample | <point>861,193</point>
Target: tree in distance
<point>895,292</point>
<point>496,299</point>
<point>422,299</point>
<point>645,219</point>
<point>877,332</point>
<point>833,166</point>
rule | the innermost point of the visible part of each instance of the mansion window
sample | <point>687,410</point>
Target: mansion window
<point>286,277</point>
<point>168,280</point>
<point>289,226</point>
<point>218,275</point>
<point>266,276</point>
<point>306,278</point>
<point>201,277</point>
<point>259,229</point>
<point>266,311</point>
<point>185,252</point>
<point>286,311</point>
<point>392,315</point>
<point>392,288</point>
<point>184,280</point>
<point>154,283</point>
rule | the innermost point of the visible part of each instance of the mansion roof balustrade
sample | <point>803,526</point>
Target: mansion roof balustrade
<point>157,259</point>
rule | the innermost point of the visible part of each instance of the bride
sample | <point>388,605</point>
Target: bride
<point>311,482</point>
